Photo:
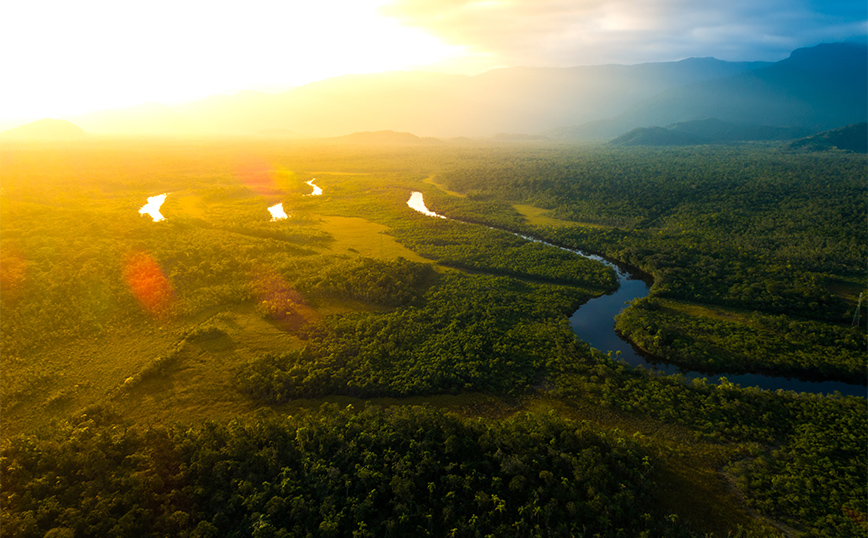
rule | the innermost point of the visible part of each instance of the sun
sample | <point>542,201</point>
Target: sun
<point>76,57</point>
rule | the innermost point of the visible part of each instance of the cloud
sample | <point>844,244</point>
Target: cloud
<point>578,32</point>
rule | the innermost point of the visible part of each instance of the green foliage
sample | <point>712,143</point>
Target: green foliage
<point>815,476</point>
<point>778,344</point>
<point>387,283</point>
<point>850,138</point>
<point>406,471</point>
<point>477,248</point>
<point>469,333</point>
<point>155,368</point>
<point>204,333</point>
<point>752,228</point>
<point>749,227</point>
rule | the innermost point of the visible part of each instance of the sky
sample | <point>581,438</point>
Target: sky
<point>60,58</point>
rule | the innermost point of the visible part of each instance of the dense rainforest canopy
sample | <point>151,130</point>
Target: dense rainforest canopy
<point>169,378</point>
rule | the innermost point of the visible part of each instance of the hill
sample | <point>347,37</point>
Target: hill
<point>384,138</point>
<point>511,100</point>
<point>654,136</point>
<point>47,129</point>
<point>707,131</point>
<point>815,88</point>
<point>850,138</point>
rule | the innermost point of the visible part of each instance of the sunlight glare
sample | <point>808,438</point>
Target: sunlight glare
<point>115,54</point>
<point>152,208</point>
<point>148,284</point>
<point>277,212</point>
<point>417,202</point>
<point>316,190</point>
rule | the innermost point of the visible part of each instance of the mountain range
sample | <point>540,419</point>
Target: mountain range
<point>706,131</point>
<point>814,89</point>
<point>47,129</point>
<point>817,88</point>
<point>848,138</point>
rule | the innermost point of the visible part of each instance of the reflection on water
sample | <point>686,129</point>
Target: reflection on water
<point>152,208</point>
<point>316,190</point>
<point>417,203</point>
<point>277,212</point>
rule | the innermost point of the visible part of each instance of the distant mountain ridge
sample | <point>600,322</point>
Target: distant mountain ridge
<point>816,88</point>
<point>849,138</point>
<point>706,131</point>
<point>384,138</point>
<point>48,129</point>
<point>512,100</point>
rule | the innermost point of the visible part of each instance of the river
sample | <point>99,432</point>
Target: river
<point>277,212</point>
<point>152,208</point>
<point>594,322</point>
<point>316,190</point>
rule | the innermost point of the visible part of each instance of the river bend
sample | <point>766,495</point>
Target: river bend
<point>594,322</point>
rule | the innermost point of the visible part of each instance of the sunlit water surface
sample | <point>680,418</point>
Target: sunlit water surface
<point>417,203</point>
<point>152,208</point>
<point>277,212</point>
<point>316,190</point>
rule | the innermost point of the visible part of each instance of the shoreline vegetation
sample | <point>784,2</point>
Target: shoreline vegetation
<point>156,361</point>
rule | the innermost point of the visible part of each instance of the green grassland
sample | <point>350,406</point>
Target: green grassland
<point>538,216</point>
<point>440,346</point>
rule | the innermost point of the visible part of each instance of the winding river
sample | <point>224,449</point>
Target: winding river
<point>594,323</point>
<point>316,190</point>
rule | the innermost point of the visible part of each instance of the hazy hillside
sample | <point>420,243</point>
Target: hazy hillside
<point>816,88</point>
<point>707,131</point>
<point>514,100</point>
<point>850,138</point>
<point>654,136</point>
<point>384,138</point>
<point>47,129</point>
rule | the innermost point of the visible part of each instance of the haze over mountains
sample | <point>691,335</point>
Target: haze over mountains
<point>47,129</point>
<point>707,131</point>
<point>815,89</point>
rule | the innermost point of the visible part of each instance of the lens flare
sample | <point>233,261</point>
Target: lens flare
<point>258,177</point>
<point>13,272</point>
<point>265,179</point>
<point>279,302</point>
<point>148,284</point>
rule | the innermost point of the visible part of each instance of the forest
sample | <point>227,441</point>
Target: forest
<point>361,369</point>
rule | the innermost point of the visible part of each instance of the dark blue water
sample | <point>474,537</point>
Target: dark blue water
<point>594,323</point>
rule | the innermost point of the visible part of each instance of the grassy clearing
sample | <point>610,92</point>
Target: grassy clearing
<point>848,288</point>
<point>707,311</point>
<point>74,374</point>
<point>430,181</point>
<point>197,383</point>
<point>200,382</point>
<point>359,237</point>
<point>187,204</point>
<point>535,216</point>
